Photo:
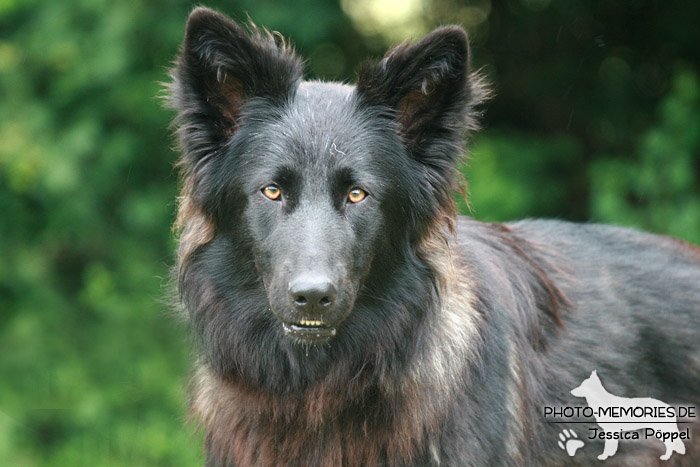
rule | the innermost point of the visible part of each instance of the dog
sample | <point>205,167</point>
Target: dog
<point>342,312</point>
<point>597,397</point>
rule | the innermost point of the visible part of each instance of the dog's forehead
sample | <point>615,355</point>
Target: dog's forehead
<point>320,96</point>
<point>324,117</point>
<point>322,129</point>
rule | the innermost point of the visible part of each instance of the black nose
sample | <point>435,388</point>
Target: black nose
<point>312,293</point>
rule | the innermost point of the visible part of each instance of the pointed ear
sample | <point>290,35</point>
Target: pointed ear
<point>426,86</point>
<point>221,66</point>
<point>427,89</point>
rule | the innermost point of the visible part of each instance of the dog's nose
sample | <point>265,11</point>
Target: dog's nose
<point>312,292</point>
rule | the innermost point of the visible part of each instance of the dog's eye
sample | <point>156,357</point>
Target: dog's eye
<point>272,192</point>
<point>356,195</point>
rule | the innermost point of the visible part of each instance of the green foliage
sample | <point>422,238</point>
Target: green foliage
<point>93,371</point>
<point>658,187</point>
<point>506,171</point>
<point>594,117</point>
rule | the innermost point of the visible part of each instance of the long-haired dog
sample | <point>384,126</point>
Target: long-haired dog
<point>345,316</point>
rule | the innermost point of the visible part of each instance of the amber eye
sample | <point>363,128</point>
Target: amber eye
<point>356,195</point>
<point>273,192</point>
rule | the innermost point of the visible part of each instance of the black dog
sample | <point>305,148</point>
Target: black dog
<point>346,316</point>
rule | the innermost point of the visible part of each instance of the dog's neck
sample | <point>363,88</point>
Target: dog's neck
<point>319,428</point>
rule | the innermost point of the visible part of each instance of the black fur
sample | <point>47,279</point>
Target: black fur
<point>425,347</point>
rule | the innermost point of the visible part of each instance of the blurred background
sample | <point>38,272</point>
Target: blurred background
<point>596,117</point>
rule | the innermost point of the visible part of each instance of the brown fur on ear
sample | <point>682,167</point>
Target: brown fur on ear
<point>227,95</point>
<point>411,106</point>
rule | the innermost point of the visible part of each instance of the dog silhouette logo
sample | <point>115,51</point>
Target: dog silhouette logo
<point>617,415</point>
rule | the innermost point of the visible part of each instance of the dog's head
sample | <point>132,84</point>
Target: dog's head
<point>301,198</point>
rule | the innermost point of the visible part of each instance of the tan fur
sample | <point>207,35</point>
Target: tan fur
<point>194,227</point>
<point>516,405</point>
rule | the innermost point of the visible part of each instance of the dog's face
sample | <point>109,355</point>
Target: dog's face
<point>303,200</point>
<point>315,204</point>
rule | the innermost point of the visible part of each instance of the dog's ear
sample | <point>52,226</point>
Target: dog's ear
<point>222,66</point>
<point>428,90</point>
<point>426,85</point>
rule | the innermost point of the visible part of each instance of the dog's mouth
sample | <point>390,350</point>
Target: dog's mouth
<point>309,331</point>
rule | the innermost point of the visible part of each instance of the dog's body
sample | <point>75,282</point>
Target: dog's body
<point>341,319</point>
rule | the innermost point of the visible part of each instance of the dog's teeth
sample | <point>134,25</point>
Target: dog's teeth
<point>308,322</point>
